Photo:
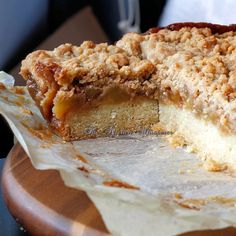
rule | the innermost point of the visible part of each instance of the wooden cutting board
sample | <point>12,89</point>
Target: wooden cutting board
<point>41,202</point>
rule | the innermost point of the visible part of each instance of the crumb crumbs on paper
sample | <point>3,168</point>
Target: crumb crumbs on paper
<point>178,195</point>
<point>42,134</point>
<point>46,145</point>
<point>80,158</point>
<point>27,111</point>
<point>19,101</point>
<point>223,200</point>
<point>197,204</point>
<point>2,86</point>
<point>82,168</point>
<point>211,165</point>
<point>119,184</point>
<point>5,98</point>
<point>18,90</point>
<point>41,131</point>
<point>194,204</point>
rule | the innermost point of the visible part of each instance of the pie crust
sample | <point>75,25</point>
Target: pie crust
<point>182,76</point>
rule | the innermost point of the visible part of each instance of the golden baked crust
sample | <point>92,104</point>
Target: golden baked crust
<point>190,65</point>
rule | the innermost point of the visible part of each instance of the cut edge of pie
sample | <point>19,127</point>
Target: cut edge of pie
<point>215,148</point>
<point>182,76</point>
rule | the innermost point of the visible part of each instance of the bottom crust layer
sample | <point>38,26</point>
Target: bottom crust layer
<point>216,149</point>
<point>108,119</point>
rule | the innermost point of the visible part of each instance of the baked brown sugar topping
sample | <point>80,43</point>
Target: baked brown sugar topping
<point>189,65</point>
<point>85,71</point>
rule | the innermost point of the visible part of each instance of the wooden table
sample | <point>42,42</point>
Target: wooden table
<point>45,206</point>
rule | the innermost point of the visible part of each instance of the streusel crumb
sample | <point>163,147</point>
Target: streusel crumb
<point>190,65</point>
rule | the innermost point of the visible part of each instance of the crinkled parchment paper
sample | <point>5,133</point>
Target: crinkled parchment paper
<point>140,184</point>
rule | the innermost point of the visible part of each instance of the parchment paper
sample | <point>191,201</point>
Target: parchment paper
<point>160,190</point>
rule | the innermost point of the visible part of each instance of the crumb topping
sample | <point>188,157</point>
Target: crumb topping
<point>195,68</point>
<point>88,64</point>
<point>191,67</point>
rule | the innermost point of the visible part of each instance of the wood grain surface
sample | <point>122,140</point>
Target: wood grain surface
<point>45,206</point>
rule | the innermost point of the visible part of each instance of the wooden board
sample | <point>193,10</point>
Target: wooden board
<point>45,206</point>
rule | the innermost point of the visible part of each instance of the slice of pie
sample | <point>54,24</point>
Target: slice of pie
<point>182,76</point>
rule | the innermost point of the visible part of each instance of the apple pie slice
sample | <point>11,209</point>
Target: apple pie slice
<point>182,76</point>
<point>92,90</point>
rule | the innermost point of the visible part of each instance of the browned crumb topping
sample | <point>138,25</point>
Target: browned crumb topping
<point>192,67</point>
<point>84,71</point>
<point>89,64</point>
<point>196,69</point>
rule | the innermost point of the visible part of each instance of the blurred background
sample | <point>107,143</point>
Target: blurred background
<point>28,25</point>
<point>45,24</point>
